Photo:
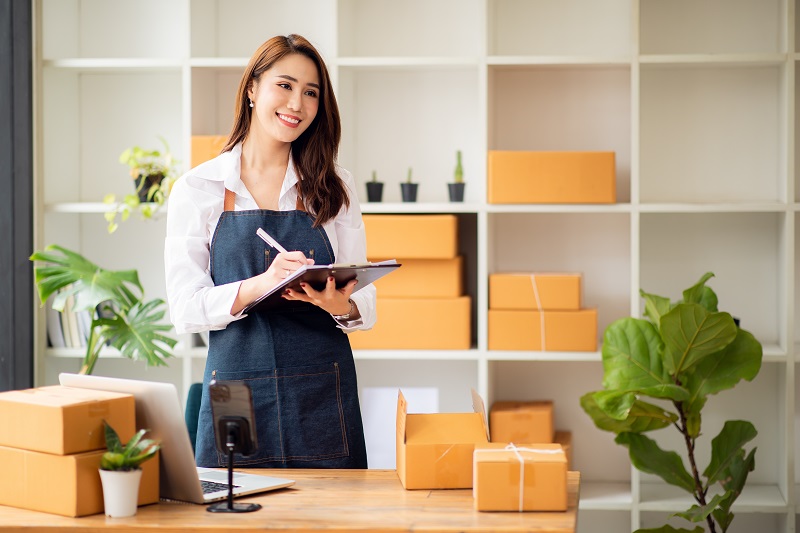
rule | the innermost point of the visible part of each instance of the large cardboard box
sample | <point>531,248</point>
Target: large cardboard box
<point>547,291</point>
<point>424,278</point>
<point>522,421</point>
<point>206,147</point>
<point>418,324</point>
<point>528,477</point>
<point>63,420</point>
<point>551,177</point>
<point>67,485</point>
<point>563,330</point>
<point>434,451</point>
<point>411,236</point>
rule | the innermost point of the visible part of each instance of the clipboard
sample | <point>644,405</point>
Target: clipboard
<point>317,276</point>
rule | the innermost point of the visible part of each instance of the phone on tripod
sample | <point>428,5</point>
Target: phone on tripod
<point>233,417</point>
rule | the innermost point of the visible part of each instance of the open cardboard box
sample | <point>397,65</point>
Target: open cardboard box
<point>434,451</point>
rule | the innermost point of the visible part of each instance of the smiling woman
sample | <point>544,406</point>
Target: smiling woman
<point>276,172</point>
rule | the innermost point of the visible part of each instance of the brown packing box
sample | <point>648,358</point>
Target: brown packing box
<point>521,422</point>
<point>63,420</point>
<point>564,438</point>
<point>551,177</point>
<point>67,485</point>
<point>206,147</point>
<point>564,330</point>
<point>434,451</point>
<point>418,324</point>
<point>411,236</point>
<point>503,483</point>
<point>555,291</point>
<point>424,278</point>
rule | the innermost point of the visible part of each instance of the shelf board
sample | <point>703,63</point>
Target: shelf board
<point>605,496</point>
<point>101,64</point>
<point>406,62</point>
<point>426,355</point>
<point>719,60</point>
<point>558,208</point>
<point>419,207</point>
<point>501,355</point>
<point>754,498</point>
<point>744,207</point>
<point>88,208</point>
<point>219,62</point>
<point>557,61</point>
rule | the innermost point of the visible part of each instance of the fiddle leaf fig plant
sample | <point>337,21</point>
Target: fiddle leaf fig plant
<point>680,354</point>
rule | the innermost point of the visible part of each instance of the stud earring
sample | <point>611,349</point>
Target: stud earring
<point>251,102</point>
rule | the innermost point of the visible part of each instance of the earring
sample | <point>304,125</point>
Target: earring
<point>251,102</point>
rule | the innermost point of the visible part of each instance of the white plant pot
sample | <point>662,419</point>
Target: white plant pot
<point>120,492</point>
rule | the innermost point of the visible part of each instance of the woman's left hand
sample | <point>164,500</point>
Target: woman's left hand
<point>334,301</point>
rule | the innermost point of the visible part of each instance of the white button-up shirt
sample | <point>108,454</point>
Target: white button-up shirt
<point>195,205</point>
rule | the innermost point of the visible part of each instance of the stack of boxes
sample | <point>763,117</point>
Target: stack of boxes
<point>541,312</point>
<point>51,442</point>
<point>421,305</point>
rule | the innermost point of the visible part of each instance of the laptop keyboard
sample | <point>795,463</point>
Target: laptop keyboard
<point>213,486</point>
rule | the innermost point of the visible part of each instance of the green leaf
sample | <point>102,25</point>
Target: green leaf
<point>112,439</point>
<point>727,445</point>
<point>736,476</point>
<point>670,529</point>
<point>137,334</point>
<point>648,457</point>
<point>641,417</point>
<point>655,306</point>
<point>697,513</point>
<point>700,294</point>
<point>691,333</point>
<point>723,518</point>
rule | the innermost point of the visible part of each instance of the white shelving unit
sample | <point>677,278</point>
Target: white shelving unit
<point>697,99</point>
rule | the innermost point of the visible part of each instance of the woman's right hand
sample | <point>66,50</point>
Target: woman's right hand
<point>284,264</point>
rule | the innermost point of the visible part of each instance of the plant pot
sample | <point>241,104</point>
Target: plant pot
<point>456,191</point>
<point>144,182</point>
<point>409,191</point>
<point>374,191</point>
<point>120,492</point>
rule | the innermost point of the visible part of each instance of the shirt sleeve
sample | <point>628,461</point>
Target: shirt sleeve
<point>195,304</point>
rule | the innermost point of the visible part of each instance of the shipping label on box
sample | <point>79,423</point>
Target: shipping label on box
<point>526,477</point>
<point>424,278</point>
<point>523,330</point>
<point>411,236</point>
<point>206,147</point>
<point>519,177</point>
<point>547,291</point>
<point>434,451</point>
<point>63,420</point>
<point>522,422</point>
<point>67,485</point>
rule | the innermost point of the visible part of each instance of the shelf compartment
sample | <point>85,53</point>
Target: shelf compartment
<point>755,498</point>
<point>214,93</point>
<point>598,495</point>
<point>559,27</point>
<point>711,27</point>
<point>711,135</point>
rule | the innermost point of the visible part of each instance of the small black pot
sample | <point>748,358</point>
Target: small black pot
<point>456,191</point>
<point>409,191</point>
<point>149,181</point>
<point>374,191</point>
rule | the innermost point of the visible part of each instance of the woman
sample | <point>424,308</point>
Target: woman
<point>277,171</point>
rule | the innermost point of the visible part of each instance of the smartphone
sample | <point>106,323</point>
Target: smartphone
<point>233,416</point>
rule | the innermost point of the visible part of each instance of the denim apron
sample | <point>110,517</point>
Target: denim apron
<point>298,364</point>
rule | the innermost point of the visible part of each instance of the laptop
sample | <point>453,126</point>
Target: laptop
<point>158,409</point>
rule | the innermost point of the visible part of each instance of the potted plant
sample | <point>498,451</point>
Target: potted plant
<point>153,172</point>
<point>374,189</point>
<point>682,353</point>
<point>120,471</point>
<point>120,315</point>
<point>456,189</point>
<point>408,189</point>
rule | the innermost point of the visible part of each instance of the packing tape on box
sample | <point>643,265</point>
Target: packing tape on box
<point>539,307</point>
<point>511,447</point>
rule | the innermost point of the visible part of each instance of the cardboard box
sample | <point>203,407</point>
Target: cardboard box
<point>67,485</point>
<point>411,236</point>
<point>564,438</point>
<point>532,477</point>
<point>418,324</point>
<point>535,291</point>
<point>63,420</point>
<point>424,278</point>
<point>522,330</point>
<point>206,147</point>
<point>513,422</point>
<point>551,177</point>
<point>434,451</point>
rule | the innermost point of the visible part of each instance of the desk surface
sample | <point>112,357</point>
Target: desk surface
<point>321,500</point>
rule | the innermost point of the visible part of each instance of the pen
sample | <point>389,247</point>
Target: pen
<point>269,240</point>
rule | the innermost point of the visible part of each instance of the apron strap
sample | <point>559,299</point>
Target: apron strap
<point>230,200</point>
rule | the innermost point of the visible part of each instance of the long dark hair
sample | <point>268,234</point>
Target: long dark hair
<point>314,152</point>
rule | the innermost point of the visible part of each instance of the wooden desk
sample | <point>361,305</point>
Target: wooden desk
<point>321,500</point>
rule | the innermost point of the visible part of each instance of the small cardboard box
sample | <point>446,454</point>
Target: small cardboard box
<point>63,420</point>
<point>206,147</point>
<point>547,291</point>
<point>411,236</point>
<point>67,485</point>
<point>564,438</point>
<point>424,278</point>
<point>434,451</point>
<point>551,177</point>
<point>409,324</point>
<point>522,330</point>
<point>521,422</point>
<point>531,477</point>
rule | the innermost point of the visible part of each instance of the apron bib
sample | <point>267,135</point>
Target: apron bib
<point>298,364</point>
